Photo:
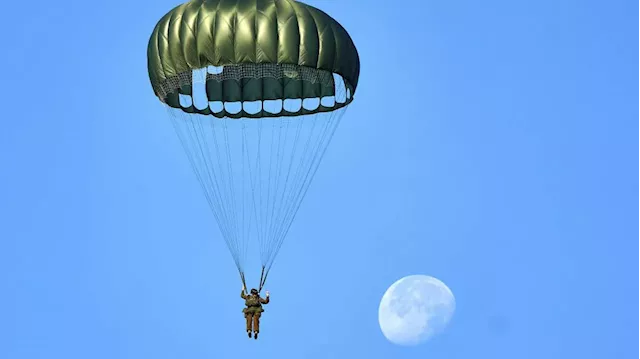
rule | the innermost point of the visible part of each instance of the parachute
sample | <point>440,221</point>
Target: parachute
<point>255,90</point>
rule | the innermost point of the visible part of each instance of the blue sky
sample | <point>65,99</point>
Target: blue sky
<point>490,144</point>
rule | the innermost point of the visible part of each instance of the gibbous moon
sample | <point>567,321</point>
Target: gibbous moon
<point>414,309</point>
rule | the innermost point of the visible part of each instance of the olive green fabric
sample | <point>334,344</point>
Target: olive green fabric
<point>269,33</point>
<point>253,310</point>
<point>253,303</point>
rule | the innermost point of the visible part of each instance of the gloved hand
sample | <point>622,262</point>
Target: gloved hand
<point>267,293</point>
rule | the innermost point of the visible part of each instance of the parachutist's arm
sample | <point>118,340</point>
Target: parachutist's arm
<point>265,301</point>
<point>242,295</point>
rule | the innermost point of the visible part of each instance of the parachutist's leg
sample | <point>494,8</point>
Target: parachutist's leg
<point>248,316</point>
<point>256,325</point>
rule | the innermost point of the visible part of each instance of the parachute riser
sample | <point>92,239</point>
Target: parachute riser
<point>263,278</point>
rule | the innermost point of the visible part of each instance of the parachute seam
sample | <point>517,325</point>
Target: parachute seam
<point>277,42</point>
<point>234,30</point>
<point>216,25</point>
<point>184,41</point>
<point>317,34</point>
<point>197,24</point>
<point>335,46</point>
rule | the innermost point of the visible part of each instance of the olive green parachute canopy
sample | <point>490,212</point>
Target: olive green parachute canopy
<point>253,50</point>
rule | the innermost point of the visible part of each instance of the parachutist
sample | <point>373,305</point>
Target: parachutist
<point>202,76</point>
<point>253,310</point>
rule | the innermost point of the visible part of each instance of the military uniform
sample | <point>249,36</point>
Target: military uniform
<point>253,311</point>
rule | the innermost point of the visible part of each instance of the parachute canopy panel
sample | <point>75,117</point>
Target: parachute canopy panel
<point>253,50</point>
